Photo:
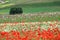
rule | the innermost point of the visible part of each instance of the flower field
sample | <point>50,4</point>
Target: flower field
<point>49,30</point>
<point>31,17</point>
<point>40,20</point>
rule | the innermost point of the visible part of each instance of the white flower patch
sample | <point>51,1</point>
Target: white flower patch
<point>48,22</point>
<point>7,28</point>
<point>44,26</point>
<point>36,26</point>
<point>58,26</point>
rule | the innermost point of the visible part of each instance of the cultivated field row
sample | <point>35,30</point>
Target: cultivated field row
<point>30,31</point>
<point>34,17</point>
<point>29,25</point>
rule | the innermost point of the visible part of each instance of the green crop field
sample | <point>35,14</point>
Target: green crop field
<point>32,7</point>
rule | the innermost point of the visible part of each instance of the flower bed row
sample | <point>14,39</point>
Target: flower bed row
<point>30,31</point>
<point>31,35</point>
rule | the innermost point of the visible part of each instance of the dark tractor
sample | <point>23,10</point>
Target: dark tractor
<point>16,11</point>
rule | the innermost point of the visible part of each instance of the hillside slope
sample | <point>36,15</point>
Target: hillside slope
<point>30,6</point>
<point>16,2</point>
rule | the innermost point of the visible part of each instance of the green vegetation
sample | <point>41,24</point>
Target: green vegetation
<point>29,18</point>
<point>35,7</point>
<point>30,8</point>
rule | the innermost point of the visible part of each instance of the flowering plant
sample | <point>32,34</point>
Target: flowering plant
<point>30,31</point>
